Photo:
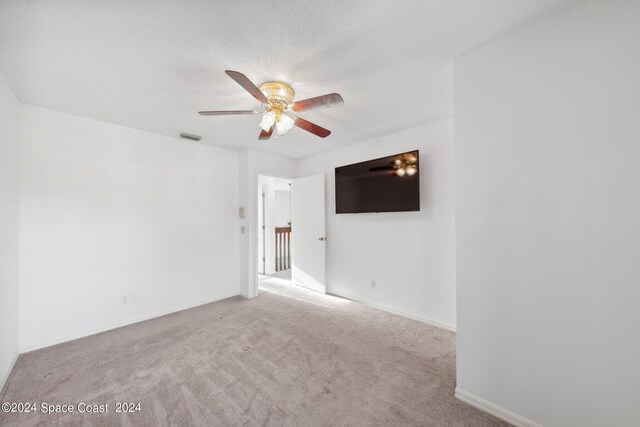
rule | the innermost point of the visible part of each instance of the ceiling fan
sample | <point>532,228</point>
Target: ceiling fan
<point>278,107</point>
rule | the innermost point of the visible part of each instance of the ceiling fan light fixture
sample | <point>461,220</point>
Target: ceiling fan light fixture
<point>268,119</point>
<point>286,121</point>
<point>280,128</point>
<point>284,124</point>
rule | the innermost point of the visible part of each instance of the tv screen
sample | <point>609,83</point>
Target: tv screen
<point>389,184</point>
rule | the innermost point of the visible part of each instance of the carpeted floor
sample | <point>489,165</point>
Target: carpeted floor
<point>289,357</point>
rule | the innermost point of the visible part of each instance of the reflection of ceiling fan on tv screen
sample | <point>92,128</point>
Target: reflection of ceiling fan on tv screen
<point>278,107</point>
<point>388,184</point>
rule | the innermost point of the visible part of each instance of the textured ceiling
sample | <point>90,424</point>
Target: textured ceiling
<point>152,65</point>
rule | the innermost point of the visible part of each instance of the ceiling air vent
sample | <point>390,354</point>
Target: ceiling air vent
<point>190,137</point>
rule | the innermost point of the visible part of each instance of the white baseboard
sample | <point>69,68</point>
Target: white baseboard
<point>7,372</point>
<point>388,309</point>
<point>87,333</point>
<point>495,410</point>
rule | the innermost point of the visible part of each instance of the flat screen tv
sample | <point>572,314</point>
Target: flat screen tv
<point>388,184</point>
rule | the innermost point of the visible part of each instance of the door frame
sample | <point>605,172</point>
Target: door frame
<point>261,229</point>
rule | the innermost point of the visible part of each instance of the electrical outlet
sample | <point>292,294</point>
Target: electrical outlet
<point>129,299</point>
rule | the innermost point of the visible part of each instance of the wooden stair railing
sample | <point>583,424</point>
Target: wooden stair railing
<point>283,248</point>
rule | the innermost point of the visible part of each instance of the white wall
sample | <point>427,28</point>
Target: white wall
<point>253,163</point>
<point>9,266</point>
<point>282,208</point>
<point>108,211</point>
<point>548,218</point>
<point>410,255</point>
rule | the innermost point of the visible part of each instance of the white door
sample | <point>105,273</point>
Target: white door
<point>308,232</point>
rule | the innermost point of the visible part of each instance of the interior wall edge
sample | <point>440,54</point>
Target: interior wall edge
<point>9,230</point>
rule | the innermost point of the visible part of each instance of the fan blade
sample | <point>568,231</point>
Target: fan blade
<point>264,135</point>
<point>311,127</point>
<point>226,113</point>
<point>247,85</point>
<point>324,101</point>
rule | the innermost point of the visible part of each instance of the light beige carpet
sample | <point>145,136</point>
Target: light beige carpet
<point>289,357</point>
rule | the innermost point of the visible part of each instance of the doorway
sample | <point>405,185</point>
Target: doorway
<point>274,232</point>
<point>291,232</point>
